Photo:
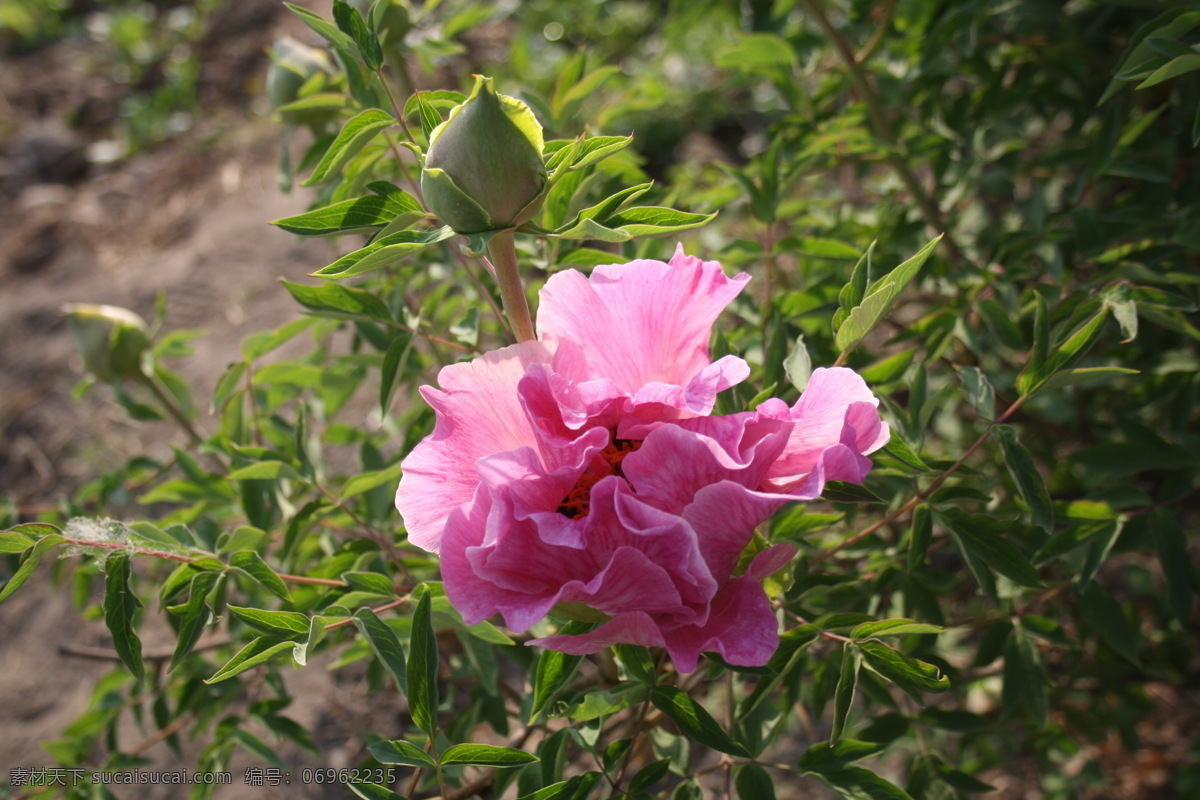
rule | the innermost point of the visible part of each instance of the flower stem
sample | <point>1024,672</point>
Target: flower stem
<point>171,407</point>
<point>502,252</point>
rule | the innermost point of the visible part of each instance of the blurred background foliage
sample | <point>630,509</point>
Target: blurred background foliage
<point>1039,374</point>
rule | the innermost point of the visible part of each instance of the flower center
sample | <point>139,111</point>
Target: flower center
<point>607,462</point>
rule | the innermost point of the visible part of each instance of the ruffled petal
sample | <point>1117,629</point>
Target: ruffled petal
<point>836,413</point>
<point>637,323</point>
<point>478,413</point>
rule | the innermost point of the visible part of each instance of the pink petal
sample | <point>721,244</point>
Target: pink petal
<point>478,413</point>
<point>837,409</point>
<point>637,323</point>
<point>741,627</point>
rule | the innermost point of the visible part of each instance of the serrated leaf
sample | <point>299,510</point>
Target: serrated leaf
<point>253,565</point>
<point>892,627</point>
<point>384,644</point>
<point>422,668</point>
<point>354,136</point>
<point>382,252</point>
<point>401,752</point>
<point>911,675</point>
<point>120,605</point>
<point>843,695</point>
<point>485,755</point>
<point>694,721</point>
<point>1026,476</point>
<point>879,299</point>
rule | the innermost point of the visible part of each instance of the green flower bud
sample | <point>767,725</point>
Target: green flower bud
<point>111,340</point>
<point>484,169</point>
<point>293,63</point>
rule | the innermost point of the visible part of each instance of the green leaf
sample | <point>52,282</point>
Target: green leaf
<point>421,682</point>
<point>979,538</point>
<point>638,662</point>
<point>367,481</point>
<point>554,671</point>
<point>120,605</point>
<point>1066,355</point>
<point>485,755</point>
<point>258,651</point>
<point>752,783</point>
<point>383,252</point>
<point>373,791</point>
<point>821,757</point>
<point>1172,69</point>
<point>352,216</point>
<point>798,366</point>
<point>350,22</point>
<point>978,391</point>
<point>194,614</point>
<point>1024,680</point>
<point>694,721</point>
<point>252,564</point>
<point>862,784</point>
<point>843,696</point>
<point>655,771</point>
<point>909,674</point>
<point>266,470</point>
<point>327,31</point>
<point>384,644</point>
<point>280,624</point>
<point>14,543</point>
<point>395,362</point>
<point>879,299</point>
<point>891,627</point>
<point>1025,474</point>
<point>429,116</point>
<point>632,223</point>
<point>855,289</point>
<point>257,747</point>
<point>1182,582</point>
<point>340,302</point>
<point>919,537</point>
<point>1106,617</point>
<point>354,136</point>
<point>401,752</point>
<point>900,450</point>
<point>1070,377</point>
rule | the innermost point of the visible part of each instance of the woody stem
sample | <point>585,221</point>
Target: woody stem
<point>502,252</point>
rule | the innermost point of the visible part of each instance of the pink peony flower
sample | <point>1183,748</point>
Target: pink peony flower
<point>582,471</point>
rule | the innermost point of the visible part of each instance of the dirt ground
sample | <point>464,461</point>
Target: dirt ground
<point>188,218</point>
